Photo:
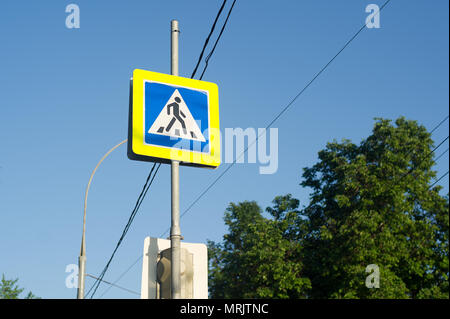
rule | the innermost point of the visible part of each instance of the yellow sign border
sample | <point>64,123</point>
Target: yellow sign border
<point>141,151</point>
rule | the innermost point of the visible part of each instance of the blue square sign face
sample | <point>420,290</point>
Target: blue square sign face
<point>176,117</point>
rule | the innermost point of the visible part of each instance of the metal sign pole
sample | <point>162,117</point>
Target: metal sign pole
<point>175,232</point>
<point>81,273</point>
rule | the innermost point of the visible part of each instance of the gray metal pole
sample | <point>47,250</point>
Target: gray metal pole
<point>175,231</point>
<point>81,275</point>
<point>174,47</point>
<point>82,258</point>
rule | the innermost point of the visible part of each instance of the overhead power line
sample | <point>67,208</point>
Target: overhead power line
<point>442,154</point>
<point>412,169</point>
<point>437,181</point>
<point>208,57</point>
<point>114,285</point>
<point>121,275</point>
<point>440,123</point>
<point>208,38</point>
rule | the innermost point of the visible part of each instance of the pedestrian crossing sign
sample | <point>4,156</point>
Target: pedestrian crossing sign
<point>173,118</point>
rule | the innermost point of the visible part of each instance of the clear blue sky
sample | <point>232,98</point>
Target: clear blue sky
<point>64,103</point>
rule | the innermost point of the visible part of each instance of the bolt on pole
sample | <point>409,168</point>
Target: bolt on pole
<point>175,232</point>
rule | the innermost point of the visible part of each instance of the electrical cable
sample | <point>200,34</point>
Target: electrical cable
<point>439,179</point>
<point>429,153</point>
<point>208,57</point>
<point>121,276</point>
<point>207,39</point>
<point>443,153</point>
<point>437,126</point>
<point>114,285</point>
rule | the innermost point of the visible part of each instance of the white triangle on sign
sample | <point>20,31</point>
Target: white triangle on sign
<point>175,120</point>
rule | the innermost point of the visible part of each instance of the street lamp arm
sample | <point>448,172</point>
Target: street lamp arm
<point>82,259</point>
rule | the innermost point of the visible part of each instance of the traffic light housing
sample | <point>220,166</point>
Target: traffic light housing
<point>156,272</point>
<point>163,274</point>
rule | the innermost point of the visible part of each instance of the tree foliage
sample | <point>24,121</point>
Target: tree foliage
<point>10,290</point>
<point>370,204</point>
<point>259,257</point>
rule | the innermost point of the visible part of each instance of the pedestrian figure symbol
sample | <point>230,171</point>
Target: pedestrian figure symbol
<point>176,115</point>
<point>176,120</point>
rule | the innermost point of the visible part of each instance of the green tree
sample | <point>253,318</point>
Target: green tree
<point>259,257</point>
<point>10,290</point>
<point>372,204</point>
